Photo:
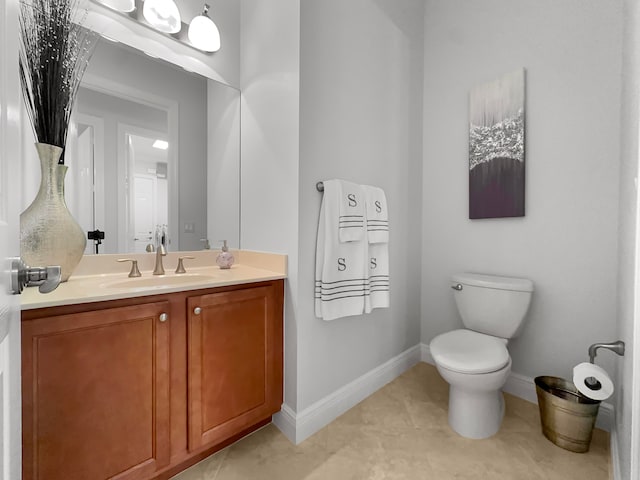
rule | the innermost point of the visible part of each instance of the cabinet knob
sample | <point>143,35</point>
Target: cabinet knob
<point>197,311</point>
<point>164,317</point>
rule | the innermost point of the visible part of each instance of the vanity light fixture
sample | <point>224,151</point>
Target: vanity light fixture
<point>160,144</point>
<point>163,15</point>
<point>124,6</point>
<point>203,33</point>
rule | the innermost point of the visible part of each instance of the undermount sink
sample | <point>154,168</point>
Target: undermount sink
<point>160,281</point>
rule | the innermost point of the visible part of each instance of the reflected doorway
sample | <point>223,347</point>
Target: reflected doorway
<point>146,184</point>
<point>84,187</point>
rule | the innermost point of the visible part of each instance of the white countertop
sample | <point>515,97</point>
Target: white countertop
<point>256,267</point>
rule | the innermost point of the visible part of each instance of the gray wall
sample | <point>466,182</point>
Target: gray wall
<point>357,120</point>
<point>626,416</point>
<point>367,121</point>
<point>567,242</point>
<point>360,120</point>
<point>270,65</point>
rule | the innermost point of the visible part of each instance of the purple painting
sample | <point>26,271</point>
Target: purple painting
<point>496,148</point>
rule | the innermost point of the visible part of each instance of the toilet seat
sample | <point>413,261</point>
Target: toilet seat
<point>466,351</point>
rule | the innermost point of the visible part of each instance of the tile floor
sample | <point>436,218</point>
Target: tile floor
<point>401,432</point>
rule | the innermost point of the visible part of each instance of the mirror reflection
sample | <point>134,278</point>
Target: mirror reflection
<point>133,160</point>
<point>153,155</point>
<point>148,211</point>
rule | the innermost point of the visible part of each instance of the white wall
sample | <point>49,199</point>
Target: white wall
<point>567,242</point>
<point>361,71</point>
<point>270,66</point>
<point>626,418</point>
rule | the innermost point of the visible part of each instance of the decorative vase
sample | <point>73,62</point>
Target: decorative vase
<point>49,235</point>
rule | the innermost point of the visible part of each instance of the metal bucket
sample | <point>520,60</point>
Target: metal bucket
<point>566,415</point>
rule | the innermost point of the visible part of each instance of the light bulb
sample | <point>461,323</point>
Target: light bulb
<point>119,5</point>
<point>203,33</point>
<point>163,15</point>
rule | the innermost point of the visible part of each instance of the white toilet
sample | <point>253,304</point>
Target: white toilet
<point>475,361</point>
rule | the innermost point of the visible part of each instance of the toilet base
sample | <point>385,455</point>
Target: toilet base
<point>476,403</point>
<point>474,414</point>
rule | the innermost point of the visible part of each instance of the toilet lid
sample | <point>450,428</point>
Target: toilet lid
<point>466,351</point>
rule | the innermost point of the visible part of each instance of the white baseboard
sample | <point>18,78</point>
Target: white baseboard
<point>606,417</point>
<point>425,354</point>
<point>524,387</point>
<point>616,473</point>
<point>299,426</point>
<point>285,420</point>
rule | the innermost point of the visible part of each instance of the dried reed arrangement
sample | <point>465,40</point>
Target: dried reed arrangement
<point>54,53</point>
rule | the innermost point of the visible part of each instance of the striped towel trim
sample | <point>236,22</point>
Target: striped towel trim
<point>353,287</point>
<point>351,221</point>
<point>377,225</point>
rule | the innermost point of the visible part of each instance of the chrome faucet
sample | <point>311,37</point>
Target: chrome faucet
<point>160,252</point>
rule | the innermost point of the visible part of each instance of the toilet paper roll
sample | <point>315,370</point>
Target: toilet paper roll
<point>602,390</point>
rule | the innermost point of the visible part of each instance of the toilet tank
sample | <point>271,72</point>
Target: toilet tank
<point>491,304</point>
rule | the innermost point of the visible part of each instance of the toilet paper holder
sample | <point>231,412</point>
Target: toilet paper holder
<point>616,347</point>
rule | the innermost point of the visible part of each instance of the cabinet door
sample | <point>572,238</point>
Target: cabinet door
<point>96,394</point>
<point>235,361</point>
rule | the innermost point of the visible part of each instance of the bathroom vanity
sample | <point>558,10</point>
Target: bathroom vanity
<point>140,378</point>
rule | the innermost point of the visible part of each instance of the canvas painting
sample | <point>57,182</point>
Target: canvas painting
<point>496,148</point>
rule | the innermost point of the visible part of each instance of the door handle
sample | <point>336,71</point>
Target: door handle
<point>46,278</point>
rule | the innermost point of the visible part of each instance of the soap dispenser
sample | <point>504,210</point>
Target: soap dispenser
<point>225,258</point>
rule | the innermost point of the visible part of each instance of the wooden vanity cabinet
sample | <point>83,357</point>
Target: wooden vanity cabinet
<point>95,394</point>
<point>117,390</point>
<point>235,362</point>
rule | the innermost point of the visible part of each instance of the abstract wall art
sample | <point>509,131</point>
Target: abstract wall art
<point>496,148</point>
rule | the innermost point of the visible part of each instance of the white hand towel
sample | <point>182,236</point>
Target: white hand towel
<point>377,214</point>
<point>378,276</point>
<point>351,211</point>
<point>341,278</point>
